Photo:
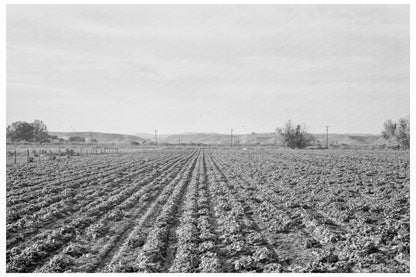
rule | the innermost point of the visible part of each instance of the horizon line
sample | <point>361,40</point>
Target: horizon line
<point>196,133</point>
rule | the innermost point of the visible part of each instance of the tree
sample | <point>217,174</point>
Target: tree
<point>20,131</point>
<point>40,131</point>
<point>294,136</point>
<point>403,133</point>
<point>389,131</point>
<point>397,132</point>
<point>23,131</point>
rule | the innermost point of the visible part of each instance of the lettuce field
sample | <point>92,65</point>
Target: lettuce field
<point>211,210</point>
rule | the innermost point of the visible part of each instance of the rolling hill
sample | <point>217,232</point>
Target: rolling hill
<point>358,140</point>
<point>268,138</point>
<point>350,139</point>
<point>101,137</point>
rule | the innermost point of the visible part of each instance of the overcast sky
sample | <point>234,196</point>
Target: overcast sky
<point>136,68</point>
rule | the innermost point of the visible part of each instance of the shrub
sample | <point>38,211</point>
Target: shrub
<point>294,137</point>
<point>397,132</point>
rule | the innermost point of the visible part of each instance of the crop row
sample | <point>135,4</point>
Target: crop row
<point>211,210</point>
<point>51,239</point>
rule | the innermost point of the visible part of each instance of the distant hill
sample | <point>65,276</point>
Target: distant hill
<point>268,138</point>
<point>350,139</point>
<point>101,137</point>
<point>360,140</point>
<point>206,138</point>
<point>151,137</point>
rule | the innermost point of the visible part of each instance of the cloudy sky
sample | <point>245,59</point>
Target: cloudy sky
<point>136,68</point>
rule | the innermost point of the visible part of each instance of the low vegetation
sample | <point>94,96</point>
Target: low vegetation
<point>207,210</point>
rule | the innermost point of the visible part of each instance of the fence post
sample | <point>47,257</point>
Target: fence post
<point>59,155</point>
<point>27,156</point>
<point>15,156</point>
<point>40,150</point>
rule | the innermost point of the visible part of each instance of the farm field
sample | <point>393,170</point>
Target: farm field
<point>211,210</point>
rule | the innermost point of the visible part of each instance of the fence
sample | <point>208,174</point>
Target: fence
<point>39,155</point>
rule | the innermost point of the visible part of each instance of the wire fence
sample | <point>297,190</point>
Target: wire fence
<point>38,155</point>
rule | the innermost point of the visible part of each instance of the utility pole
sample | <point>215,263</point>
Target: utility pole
<point>231,138</point>
<point>326,137</point>
<point>156,137</point>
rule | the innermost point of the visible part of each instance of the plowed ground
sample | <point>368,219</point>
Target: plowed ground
<point>206,210</point>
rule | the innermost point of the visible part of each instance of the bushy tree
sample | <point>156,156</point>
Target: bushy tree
<point>403,133</point>
<point>20,131</point>
<point>397,132</point>
<point>389,130</point>
<point>40,131</point>
<point>294,136</point>
<point>23,131</point>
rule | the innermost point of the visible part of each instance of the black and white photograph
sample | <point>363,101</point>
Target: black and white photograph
<point>207,138</point>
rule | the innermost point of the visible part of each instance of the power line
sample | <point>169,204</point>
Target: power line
<point>76,133</point>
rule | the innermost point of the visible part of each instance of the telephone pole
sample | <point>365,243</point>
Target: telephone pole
<point>231,138</point>
<point>326,137</point>
<point>156,137</point>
